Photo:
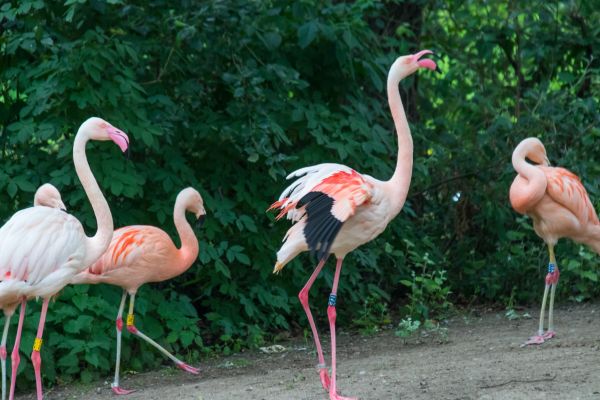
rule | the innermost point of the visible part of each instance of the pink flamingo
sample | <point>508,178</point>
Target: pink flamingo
<point>140,254</point>
<point>48,196</point>
<point>335,209</point>
<point>560,207</point>
<point>42,248</point>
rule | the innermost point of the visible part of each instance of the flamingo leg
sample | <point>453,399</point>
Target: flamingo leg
<point>36,358</point>
<point>552,277</point>
<point>15,357</point>
<point>331,314</point>
<point>119,326</point>
<point>303,296</point>
<point>3,353</point>
<point>132,329</point>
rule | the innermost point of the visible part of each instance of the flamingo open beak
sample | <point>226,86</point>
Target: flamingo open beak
<point>119,137</point>
<point>425,63</point>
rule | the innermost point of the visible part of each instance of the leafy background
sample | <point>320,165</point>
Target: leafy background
<point>230,96</point>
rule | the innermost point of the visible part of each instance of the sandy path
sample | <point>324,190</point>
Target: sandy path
<point>481,360</point>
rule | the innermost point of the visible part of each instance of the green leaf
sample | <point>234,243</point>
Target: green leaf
<point>307,33</point>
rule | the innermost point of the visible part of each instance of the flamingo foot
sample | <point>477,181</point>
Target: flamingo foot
<point>324,378</point>
<point>120,391</point>
<point>549,334</point>
<point>335,396</point>
<point>537,339</point>
<point>188,368</point>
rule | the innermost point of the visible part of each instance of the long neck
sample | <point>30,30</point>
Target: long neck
<point>97,244</point>
<point>189,243</point>
<point>400,181</point>
<point>530,185</point>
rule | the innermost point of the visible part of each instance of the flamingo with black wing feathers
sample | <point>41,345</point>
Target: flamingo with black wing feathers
<point>336,209</point>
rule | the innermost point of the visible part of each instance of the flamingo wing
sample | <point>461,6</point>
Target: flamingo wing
<point>324,196</point>
<point>38,241</point>
<point>566,188</point>
<point>130,245</point>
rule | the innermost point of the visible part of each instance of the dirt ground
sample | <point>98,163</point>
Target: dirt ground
<point>481,359</point>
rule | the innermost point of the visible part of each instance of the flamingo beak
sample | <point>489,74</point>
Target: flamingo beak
<point>425,63</point>
<point>119,137</point>
<point>200,221</point>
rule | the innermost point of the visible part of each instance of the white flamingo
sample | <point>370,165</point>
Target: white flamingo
<point>336,209</point>
<point>48,196</point>
<point>42,248</point>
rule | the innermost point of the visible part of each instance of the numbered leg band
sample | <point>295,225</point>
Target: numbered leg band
<point>130,319</point>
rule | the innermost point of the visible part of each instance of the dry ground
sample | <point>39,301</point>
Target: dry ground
<point>481,359</point>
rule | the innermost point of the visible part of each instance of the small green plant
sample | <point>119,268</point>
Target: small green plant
<point>511,313</point>
<point>373,316</point>
<point>428,295</point>
<point>407,327</point>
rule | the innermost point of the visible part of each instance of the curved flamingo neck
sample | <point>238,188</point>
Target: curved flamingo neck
<point>400,181</point>
<point>530,185</point>
<point>97,244</point>
<point>189,243</point>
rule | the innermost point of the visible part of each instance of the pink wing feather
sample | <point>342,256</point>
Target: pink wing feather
<point>566,188</point>
<point>324,197</point>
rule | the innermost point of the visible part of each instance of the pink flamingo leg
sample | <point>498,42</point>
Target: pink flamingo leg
<point>551,282</point>
<point>303,296</point>
<point>15,357</point>
<point>132,329</point>
<point>119,326</point>
<point>332,316</point>
<point>3,352</point>
<point>36,358</point>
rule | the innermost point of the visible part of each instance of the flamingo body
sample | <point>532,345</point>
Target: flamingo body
<point>137,254</point>
<point>39,247</point>
<point>559,206</point>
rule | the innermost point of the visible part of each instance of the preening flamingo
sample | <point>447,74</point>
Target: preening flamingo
<point>336,209</point>
<point>559,206</point>
<point>42,248</point>
<point>48,196</point>
<point>140,254</point>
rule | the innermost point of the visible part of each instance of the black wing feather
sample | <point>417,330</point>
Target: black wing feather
<point>321,226</point>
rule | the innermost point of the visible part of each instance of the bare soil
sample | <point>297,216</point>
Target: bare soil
<point>481,359</point>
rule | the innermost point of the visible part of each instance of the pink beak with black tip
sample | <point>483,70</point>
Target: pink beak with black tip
<point>425,63</point>
<point>119,137</point>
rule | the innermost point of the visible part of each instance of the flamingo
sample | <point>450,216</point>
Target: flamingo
<point>42,248</point>
<point>559,206</point>
<point>48,196</point>
<point>140,254</point>
<point>336,209</point>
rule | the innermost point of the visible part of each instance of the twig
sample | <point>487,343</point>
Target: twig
<point>161,70</point>
<point>518,381</point>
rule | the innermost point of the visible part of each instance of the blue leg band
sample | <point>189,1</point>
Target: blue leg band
<point>332,299</point>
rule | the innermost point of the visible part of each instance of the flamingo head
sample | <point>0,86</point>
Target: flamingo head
<point>534,149</point>
<point>47,195</point>
<point>193,203</point>
<point>99,129</point>
<point>409,64</point>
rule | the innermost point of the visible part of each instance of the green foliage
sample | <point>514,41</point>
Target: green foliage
<point>373,316</point>
<point>208,90</point>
